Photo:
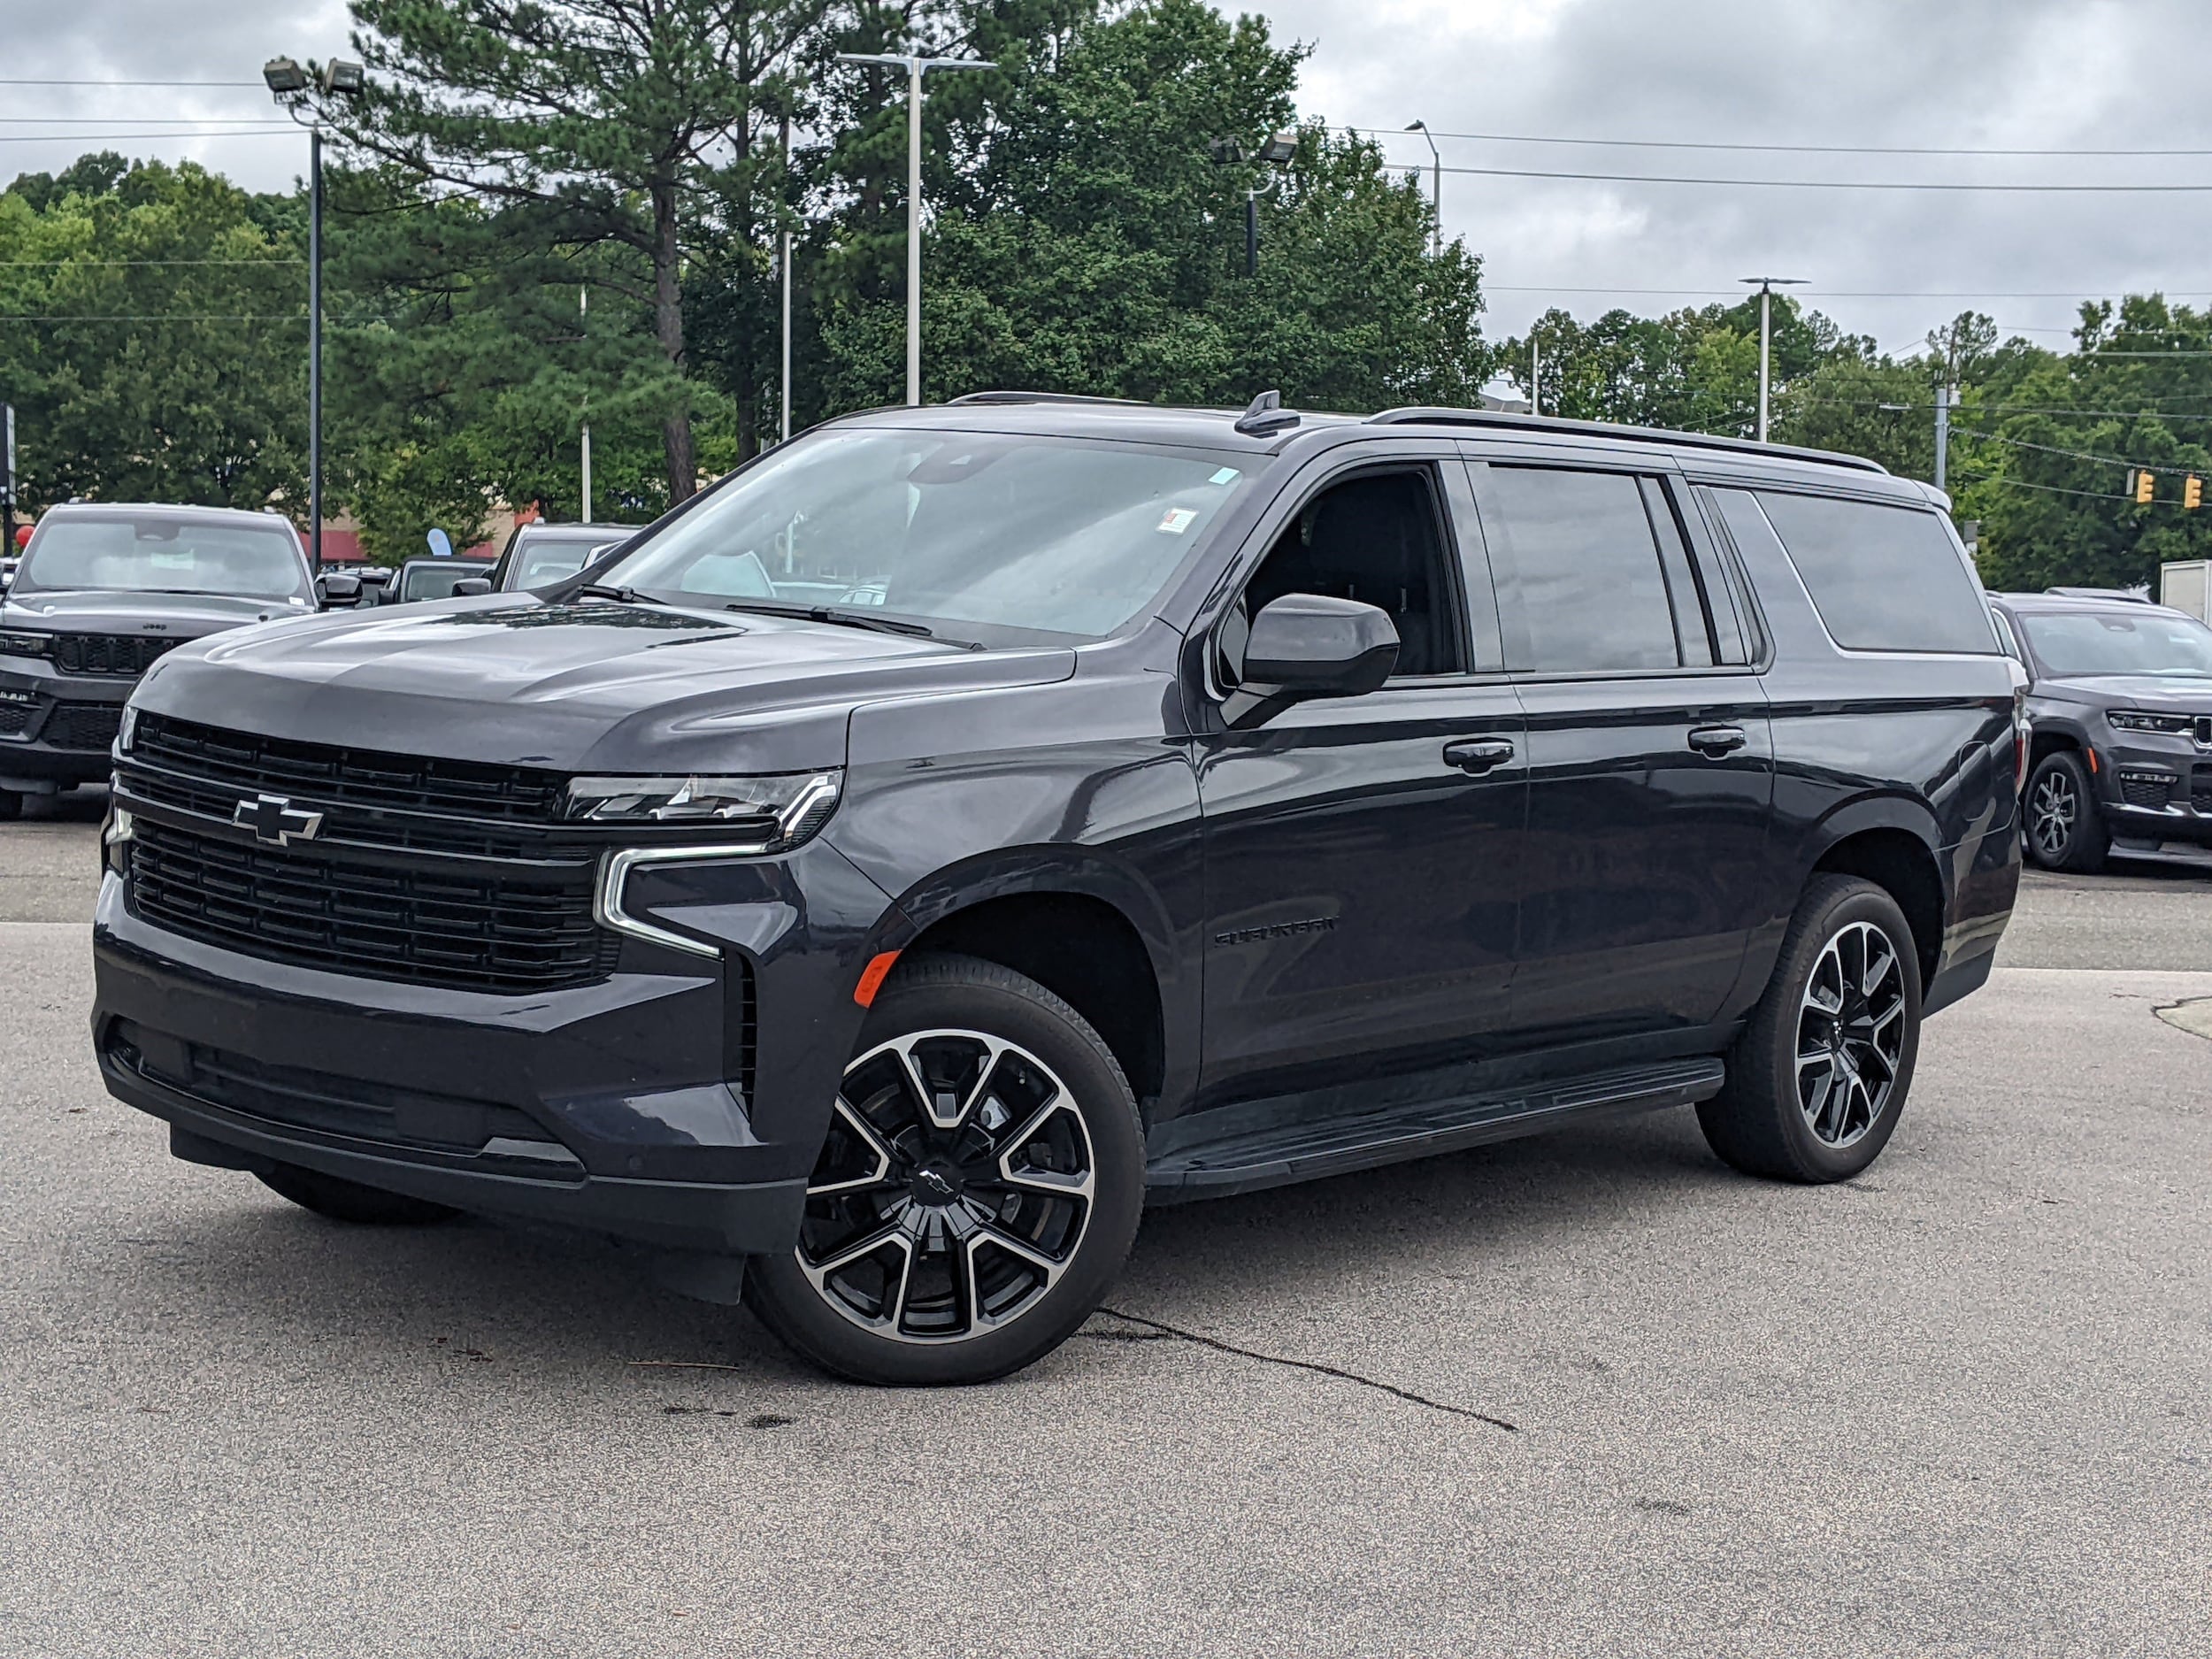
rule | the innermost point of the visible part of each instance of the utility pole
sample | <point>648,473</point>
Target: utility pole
<point>915,68</point>
<point>1945,395</point>
<point>315,346</point>
<point>1436,186</point>
<point>583,311</point>
<point>1767,285</point>
<point>783,263</point>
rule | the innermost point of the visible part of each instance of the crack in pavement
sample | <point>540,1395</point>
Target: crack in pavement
<point>1161,1332</point>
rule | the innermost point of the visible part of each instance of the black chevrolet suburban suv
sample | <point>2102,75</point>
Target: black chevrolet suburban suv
<point>1184,803</point>
<point>102,592</point>
<point>2120,697</point>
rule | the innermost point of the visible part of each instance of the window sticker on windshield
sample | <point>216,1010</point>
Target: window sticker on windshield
<point>1179,520</point>
<point>1227,475</point>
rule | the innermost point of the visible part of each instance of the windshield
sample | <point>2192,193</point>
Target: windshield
<point>542,561</point>
<point>1062,536</point>
<point>2070,643</point>
<point>123,553</point>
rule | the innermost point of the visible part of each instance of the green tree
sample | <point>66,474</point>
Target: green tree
<point>152,319</point>
<point>1093,243</point>
<point>608,128</point>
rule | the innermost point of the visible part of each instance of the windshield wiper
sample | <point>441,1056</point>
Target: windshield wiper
<point>620,595</point>
<point>842,619</point>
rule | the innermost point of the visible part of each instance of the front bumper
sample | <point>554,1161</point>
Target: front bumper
<point>56,730</point>
<point>2155,789</point>
<point>680,1103</point>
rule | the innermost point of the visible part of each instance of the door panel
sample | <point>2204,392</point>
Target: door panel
<point>1645,855</point>
<point>1362,889</point>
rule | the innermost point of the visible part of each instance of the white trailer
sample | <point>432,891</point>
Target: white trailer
<point>2187,585</point>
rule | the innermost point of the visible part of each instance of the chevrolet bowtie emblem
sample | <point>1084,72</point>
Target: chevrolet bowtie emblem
<point>274,820</point>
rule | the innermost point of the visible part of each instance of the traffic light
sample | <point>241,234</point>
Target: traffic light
<point>2146,486</point>
<point>2192,492</point>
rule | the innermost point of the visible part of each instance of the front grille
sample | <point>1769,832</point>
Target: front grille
<point>15,717</point>
<point>244,763</point>
<point>2200,789</point>
<point>504,932</point>
<point>2146,789</point>
<point>89,726</point>
<point>119,654</point>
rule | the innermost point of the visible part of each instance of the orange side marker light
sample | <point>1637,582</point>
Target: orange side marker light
<point>871,977</point>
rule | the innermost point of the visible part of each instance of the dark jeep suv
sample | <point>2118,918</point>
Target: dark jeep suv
<point>102,592</point>
<point>2120,693</point>
<point>1180,804</point>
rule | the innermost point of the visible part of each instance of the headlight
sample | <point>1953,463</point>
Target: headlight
<point>18,642</point>
<point>2137,720</point>
<point>775,812</point>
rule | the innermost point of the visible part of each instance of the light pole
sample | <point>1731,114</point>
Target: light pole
<point>287,80</point>
<point>915,68</point>
<point>1436,186</point>
<point>1767,285</point>
<point>583,325</point>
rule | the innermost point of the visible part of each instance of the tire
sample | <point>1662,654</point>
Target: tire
<point>10,806</point>
<point>2065,828</point>
<point>347,1201</point>
<point>1000,1203</point>
<point>1793,1122</point>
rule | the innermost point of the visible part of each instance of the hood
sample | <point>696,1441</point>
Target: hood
<point>167,616</point>
<point>2160,694</point>
<point>509,679</point>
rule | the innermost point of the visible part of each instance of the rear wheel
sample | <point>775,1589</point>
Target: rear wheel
<point>11,805</point>
<point>1818,1079</point>
<point>2066,831</point>
<point>977,1192</point>
<point>351,1202</point>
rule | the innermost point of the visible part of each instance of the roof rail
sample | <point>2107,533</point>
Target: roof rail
<point>1041,397</point>
<point>1499,417</point>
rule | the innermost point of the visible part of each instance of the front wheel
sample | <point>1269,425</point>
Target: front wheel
<point>1817,1080</point>
<point>2065,829</point>
<point>977,1191</point>
<point>11,805</point>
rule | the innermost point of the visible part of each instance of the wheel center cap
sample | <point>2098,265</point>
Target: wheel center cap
<point>935,1184</point>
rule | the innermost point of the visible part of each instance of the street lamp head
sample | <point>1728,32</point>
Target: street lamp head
<point>907,60</point>
<point>1772,281</point>
<point>1416,126</point>
<point>1279,150</point>
<point>344,78</point>
<point>285,77</point>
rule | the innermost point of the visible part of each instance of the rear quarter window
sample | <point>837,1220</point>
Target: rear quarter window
<point>1884,578</point>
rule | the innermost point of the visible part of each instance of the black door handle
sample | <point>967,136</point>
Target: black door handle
<point>1717,740</point>
<point>1477,755</point>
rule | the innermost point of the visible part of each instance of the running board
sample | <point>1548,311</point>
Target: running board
<point>1309,1150</point>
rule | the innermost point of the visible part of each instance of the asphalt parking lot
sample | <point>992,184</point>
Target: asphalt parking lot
<point>1586,1395</point>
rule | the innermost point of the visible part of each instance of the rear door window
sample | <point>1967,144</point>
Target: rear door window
<point>1884,578</point>
<point>1582,587</point>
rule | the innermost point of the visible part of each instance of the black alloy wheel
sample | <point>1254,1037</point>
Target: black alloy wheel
<point>1850,1034</point>
<point>1818,1077</point>
<point>2065,829</point>
<point>11,805</point>
<point>976,1191</point>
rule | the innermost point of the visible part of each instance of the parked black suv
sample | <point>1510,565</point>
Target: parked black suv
<point>2120,693</point>
<point>1192,804</point>
<point>101,593</point>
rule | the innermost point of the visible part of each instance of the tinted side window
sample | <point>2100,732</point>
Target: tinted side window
<point>1580,580</point>
<point>1884,578</point>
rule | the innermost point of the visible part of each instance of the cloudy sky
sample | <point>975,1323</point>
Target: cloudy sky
<point>1869,74</point>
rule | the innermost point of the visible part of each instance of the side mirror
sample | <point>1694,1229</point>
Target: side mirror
<point>1309,645</point>
<point>337,590</point>
<point>471,587</point>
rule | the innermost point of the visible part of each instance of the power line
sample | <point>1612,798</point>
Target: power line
<point>80,138</point>
<point>161,317</point>
<point>45,80</point>
<point>2053,489</point>
<point>166,121</point>
<point>44,265</point>
<point>1844,294</point>
<point>1777,149</point>
<point>1837,184</point>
